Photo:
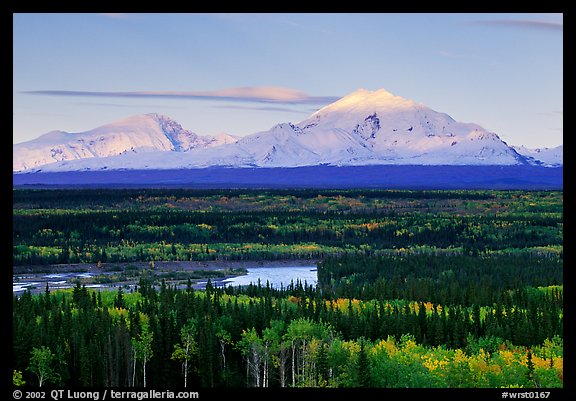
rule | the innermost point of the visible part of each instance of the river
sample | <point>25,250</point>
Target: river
<point>278,275</point>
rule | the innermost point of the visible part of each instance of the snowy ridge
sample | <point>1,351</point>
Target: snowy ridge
<point>137,134</point>
<point>362,128</point>
<point>548,157</point>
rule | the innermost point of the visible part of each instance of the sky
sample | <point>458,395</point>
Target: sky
<point>244,73</point>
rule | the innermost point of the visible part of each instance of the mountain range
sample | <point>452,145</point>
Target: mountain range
<point>362,128</point>
<point>137,134</point>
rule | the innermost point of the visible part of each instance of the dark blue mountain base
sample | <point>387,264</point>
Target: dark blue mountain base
<point>377,177</point>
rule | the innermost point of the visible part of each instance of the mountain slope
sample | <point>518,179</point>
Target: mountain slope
<point>549,157</point>
<point>362,128</point>
<point>136,134</point>
<point>366,128</point>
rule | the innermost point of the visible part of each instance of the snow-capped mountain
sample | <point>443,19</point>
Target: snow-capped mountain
<point>369,128</point>
<point>137,134</point>
<point>549,157</point>
<point>362,128</point>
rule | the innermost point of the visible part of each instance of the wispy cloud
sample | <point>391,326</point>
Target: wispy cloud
<point>553,113</point>
<point>525,23</point>
<point>258,94</point>
<point>103,104</point>
<point>263,108</point>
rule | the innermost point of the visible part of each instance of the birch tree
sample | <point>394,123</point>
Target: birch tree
<point>41,364</point>
<point>142,346</point>
<point>187,348</point>
<point>252,348</point>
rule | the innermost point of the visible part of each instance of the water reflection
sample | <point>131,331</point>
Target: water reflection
<point>276,276</point>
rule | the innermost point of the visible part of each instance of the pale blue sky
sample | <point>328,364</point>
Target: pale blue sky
<point>75,72</point>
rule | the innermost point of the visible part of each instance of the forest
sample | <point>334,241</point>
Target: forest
<point>419,289</point>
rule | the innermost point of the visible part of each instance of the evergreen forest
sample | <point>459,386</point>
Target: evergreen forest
<point>417,289</point>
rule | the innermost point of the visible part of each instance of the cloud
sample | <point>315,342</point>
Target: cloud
<point>263,108</point>
<point>553,113</point>
<point>258,94</point>
<point>529,24</point>
<point>103,104</point>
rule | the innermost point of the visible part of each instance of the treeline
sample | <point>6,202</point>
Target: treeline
<point>340,201</point>
<point>166,229</point>
<point>58,198</point>
<point>440,278</point>
<point>265,337</point>
<point>61,228</point>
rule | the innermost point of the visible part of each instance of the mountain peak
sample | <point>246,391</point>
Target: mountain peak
<point>364,127</point>
<point>142,133</point>
<point>365,93</point>
<point>363,100</point>
<point>160,118</point>
<point>380,97</point>
<point>53,136</point>
<point>140,120</point>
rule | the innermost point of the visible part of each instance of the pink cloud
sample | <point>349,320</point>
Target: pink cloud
<point>258,94</point>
